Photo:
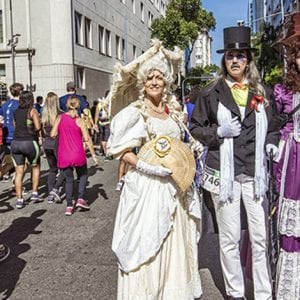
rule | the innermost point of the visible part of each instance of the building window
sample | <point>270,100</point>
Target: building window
<point>78,29</point>
<point>101,40</point>
<point>123,50</point>
<point>3,87</point>
<point>134,51</point>
<point>1,27</point>
<point>80,72</point>
<point>150,19</point>
<point>107,42</point>
<point>142,12</point>
<point>118,47</point>
<point>133,6</point>
<point>88,32</point>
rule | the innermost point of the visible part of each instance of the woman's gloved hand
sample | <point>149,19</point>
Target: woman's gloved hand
<point>230,129</point>
<point>197,146</point>
<point>152,170</point>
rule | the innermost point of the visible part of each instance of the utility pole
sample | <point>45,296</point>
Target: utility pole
<point>12,43</point>
<point>282,12</point>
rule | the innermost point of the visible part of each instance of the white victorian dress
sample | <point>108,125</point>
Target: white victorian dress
<point>156,228</point>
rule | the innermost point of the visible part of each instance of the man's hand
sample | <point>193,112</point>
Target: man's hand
<point>231,129</point>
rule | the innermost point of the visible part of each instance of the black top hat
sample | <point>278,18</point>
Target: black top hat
<point>236,38</point>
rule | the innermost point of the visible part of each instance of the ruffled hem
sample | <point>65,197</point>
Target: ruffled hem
<point>288,269</point>
<point>289,220</point>
<point>190,292</point>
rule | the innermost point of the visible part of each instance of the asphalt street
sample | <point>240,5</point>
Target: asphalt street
<point>59,257</point>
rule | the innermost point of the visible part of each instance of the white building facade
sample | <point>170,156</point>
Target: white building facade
<point>73,40</point>
<point>201,54</point>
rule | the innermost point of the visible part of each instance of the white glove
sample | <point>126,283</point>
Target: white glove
<point>273,148</point>
<point>230,129</point>
<point>197,146</point>
<point>152,170</point>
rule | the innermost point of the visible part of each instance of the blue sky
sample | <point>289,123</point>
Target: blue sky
<point>226,13</point>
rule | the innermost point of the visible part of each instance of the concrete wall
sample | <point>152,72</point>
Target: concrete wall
<point>48,27</point>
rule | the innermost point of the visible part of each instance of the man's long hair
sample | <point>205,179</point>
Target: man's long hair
<point>252,75</point>
<point>293,74</point>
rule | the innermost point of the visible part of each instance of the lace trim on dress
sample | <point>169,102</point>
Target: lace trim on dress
<point>289,220</point>
<point>288,270</point>
<point>296,118</point>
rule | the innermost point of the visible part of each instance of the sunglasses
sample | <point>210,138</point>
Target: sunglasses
<point>239,56</point>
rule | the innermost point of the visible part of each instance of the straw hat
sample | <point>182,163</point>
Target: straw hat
<point>173,154</point>
<point>124,89</point>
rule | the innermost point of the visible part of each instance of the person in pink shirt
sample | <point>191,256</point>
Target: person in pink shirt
<point>71,132</point>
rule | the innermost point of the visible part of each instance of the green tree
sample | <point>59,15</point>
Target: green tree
<point>183,21</point>
<point>273,76</point>
<point>268,59</point>
<point>205,72</point>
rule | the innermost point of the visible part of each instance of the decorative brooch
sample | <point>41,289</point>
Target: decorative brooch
<point>255,101</point>
<point>162,146</point>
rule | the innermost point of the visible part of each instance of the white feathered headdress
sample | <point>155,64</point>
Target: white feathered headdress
<point>124,89</point>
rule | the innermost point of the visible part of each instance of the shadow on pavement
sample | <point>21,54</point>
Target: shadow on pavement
<point>13,236</point>
<point>93,193</point>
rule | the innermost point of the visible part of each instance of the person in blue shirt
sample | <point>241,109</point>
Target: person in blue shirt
<point>38,104</point>
<point>7,111</point>
<point>71,90</point>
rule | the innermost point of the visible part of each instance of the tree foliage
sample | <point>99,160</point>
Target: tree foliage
<point>183,21</point>
<point>205,73</point>
<point>268,60</point>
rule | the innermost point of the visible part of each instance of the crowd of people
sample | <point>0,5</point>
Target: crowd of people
<point>237,121</point>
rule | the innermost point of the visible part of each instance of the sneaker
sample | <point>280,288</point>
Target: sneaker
<point>82,204</point>
<point>35,198</point>
<point>50,199</point>
<point>20,203</point>
<point>69,211</point>
<point>120,185</point>
<point>4,252</point>
<point>55,194</point>
<point>6,178</point>
<point>108,158</point>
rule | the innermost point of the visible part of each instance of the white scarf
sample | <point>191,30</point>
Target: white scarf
<point>227,155</point>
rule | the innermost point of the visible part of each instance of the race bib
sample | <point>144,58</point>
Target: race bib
<point>211,180</point>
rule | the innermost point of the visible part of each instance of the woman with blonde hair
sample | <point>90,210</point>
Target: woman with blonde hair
<point>155,234</point>
<point>71,131</point>
<point>50,112</point>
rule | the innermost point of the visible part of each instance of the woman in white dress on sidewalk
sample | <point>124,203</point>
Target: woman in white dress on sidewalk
<point>155,236</point>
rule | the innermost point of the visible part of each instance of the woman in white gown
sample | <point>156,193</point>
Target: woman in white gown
<point>155,236</point>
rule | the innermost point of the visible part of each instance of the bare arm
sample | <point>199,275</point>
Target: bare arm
<point>36,119</point>
<point>84,131</point>
<point>96,119</point>
<point>54,131</point>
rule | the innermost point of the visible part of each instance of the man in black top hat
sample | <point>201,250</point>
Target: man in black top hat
<point>232,116</point>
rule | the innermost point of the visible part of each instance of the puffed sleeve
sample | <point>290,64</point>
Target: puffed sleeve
<point>283,99</point>
<point>127,130</point>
